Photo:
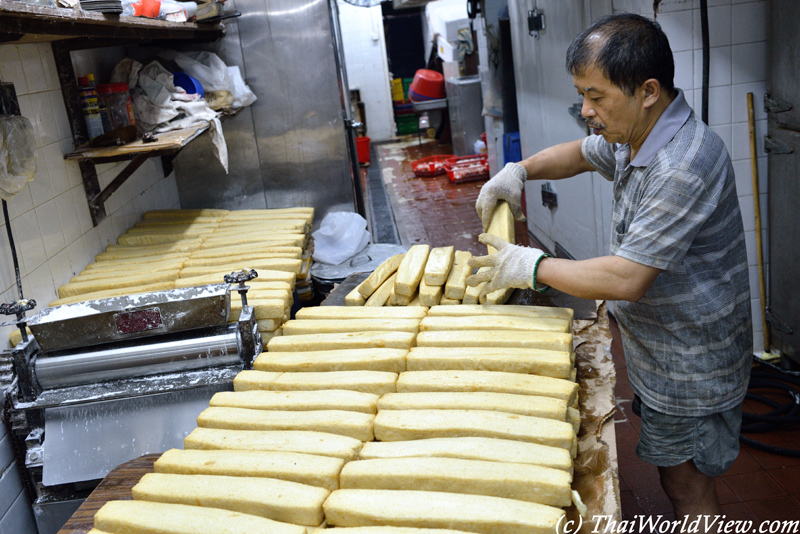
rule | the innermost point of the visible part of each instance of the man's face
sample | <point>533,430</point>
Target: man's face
<point>607,109</point>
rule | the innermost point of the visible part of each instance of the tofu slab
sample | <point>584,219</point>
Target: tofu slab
<point>347,340</point>
<point>494,323</point>
<point>311,469</point>
<point>332,326</point>
<point>351,424</point>
<point>279,500</point>
<point>391,360</point>
<point>506,310</point>
<point>546,407</point>
<point>376,382</point>
<point>346,312</point>
<point>524,482</point>
<point>557,364</point>
<point>473,513</point>
<point>324,399</point>
<point>494,339</point>
<point>306,442</point>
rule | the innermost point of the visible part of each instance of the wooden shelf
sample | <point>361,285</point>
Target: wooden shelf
<point>166,143</point>
<point>20,21</point>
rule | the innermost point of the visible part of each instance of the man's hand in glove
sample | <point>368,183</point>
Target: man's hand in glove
<point>505,185</point>
<point>511,266</point>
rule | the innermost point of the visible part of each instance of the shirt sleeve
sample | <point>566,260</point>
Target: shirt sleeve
<point>674,207</point>
<point>600,155</point>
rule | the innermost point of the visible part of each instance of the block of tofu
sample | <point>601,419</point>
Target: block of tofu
<point>255,285</point>
<point>438,266</point>
<point>238,250</point>
<point>264,275</point>
<point>344,312</point>
<point>249,379</point>
<point>429,295</point>
<point>557,364</point>
<point>400,300</point>
<point>391,360</point>
<point>456,283</point>
<point>272,308</point>
<point>154,263</point>
<point>126,251</point>
<point>494,323</point>
<point>524,482</point>
<point>306,442</point>
<point>375,382</point>
<point>487,449</point>
<point>108,293</point>
<point>268,325</point>
<point>111,283</point>
<point>488,381</point>
<point>380,275</point>
<point>394,530</point>
<point>256,240</point>
<point>311,469</point>
<point>472,293</point>
<point>546,407</point>
<point>144,517</point>
<point>499,297</point>
<point>449,302</point>
<point>184,213</point>
<point>254,258</point>
<point>380,296</point>
<point>473,513</point>
<point>535,312</point>
<point>346,340</point>
<point>280,500</point>
<point>279,264</point>
<point>333,326</point>
<point>355,298</point>
<point>411,269</point>
<point>351,424</point>
<point>490,339</point>
<point>325,399</point>
<point>404,425</point>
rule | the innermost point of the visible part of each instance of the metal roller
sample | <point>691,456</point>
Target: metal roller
<point>139,360</point>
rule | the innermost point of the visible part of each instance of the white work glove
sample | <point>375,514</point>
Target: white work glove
<point>505,185</point>
<point>511,266</point>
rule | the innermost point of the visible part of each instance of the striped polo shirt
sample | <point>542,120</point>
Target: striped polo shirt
<point>688,341</point>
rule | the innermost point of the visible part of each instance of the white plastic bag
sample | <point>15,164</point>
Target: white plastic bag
<point>17,159</point>
<point>341,235</point>
<point>207,67</point>
<point>242,95</point>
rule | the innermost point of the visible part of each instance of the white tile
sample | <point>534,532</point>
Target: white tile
<point>724,132</point>
<point>755,308</point>
<point>43,115</point>
<point>60,268</point>
<point>744,177</point>
<point>684,65</point>
<point>667,6</point>
<point>719,105</point>
<point>740,100</point>
<point>7,277</point>
<point>6,449</point>
<point>93,243</point>
<point>750,243</point>
<point>741,140</point>
<point>39,285</point>
<point>33,68</point>
<point>67,146</point>
<point>11,69</point>
<point>749,22</point>
<point>171,190</point>
<point>54,157</point>
<point>60,115</point>
<point>20,203</point>
<point>26,109</point>
<point>41,190</point>
<point>78,257</point>
<point>758,337</point>
<point>118,223</point>
<point>749,62</point>
<point>49,67</point>
<point>50,225</point>
<point>719,69</point>
<point>748,217</point>
<point>74,173</point>
<point>678,27</point>
<point>70,224</point>
<point>82,212</point>
<point>107,234</point>
<point>754,290</point>
<point>28,241</point>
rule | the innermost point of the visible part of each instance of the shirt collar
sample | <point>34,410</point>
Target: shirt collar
<point>668,124</point>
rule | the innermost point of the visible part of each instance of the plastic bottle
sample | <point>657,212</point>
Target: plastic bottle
<point>90,106</point>
<point>160,9</point>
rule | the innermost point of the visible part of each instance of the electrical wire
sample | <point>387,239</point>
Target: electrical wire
<point>784,383</point>
<point>13,249</point>
<point>706,56</point>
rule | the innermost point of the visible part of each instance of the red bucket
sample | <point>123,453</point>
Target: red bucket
<point>362,148</point>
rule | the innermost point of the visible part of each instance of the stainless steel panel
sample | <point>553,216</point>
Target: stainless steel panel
<point>299,128</point>
<point>466,122</point>
<point>51,516</point>
<point>545,91</point>
<point>783,183</point>
<point>86,442</point>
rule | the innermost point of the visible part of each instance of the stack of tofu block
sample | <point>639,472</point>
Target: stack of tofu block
<point>380,420</point>
<point>171,249</point>
<point>427,277</point>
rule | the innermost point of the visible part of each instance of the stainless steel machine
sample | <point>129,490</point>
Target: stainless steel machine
<point>466,122</point>
<point>106,381</point>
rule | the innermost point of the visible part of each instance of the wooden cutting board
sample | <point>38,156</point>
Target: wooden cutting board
<point>115,486</point>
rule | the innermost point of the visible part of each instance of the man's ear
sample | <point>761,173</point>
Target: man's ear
<point>651,91</point>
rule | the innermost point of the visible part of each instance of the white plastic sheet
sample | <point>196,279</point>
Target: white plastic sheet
<point>341,235</point>
<point>17,158</point>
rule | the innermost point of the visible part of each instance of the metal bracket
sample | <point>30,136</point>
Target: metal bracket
<point>773,104</point>
<point>535,23</point>
<point>777,323</point>
<point>774,146</point>
<point>549,196</point>
<point>241,277</point>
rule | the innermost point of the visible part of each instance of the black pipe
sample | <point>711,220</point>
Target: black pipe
<point>706,56</point>
<point>13,248</point>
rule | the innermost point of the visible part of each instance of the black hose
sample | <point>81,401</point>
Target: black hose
<point>706,55</point>
<point>13,249</point>
<point>783,382</point>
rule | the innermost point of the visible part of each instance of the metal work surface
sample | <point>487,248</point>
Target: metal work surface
<point>784,186</point>
<point>365,261</point>
<point>129,317</point>
<point>300,156</point>
<point>88,441</point>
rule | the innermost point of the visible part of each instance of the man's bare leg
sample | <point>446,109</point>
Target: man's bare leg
<point>692,493</point>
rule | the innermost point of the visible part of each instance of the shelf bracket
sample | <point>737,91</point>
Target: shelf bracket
<point>97,203</point>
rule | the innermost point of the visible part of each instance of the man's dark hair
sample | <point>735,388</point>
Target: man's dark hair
<point>627,48</point>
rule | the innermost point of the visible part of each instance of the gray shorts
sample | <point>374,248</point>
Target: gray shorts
<point>711,441</point>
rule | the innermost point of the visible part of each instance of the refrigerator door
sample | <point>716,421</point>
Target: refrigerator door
<point>466,104</point>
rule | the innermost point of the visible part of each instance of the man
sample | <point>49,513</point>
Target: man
<point>677,266</point>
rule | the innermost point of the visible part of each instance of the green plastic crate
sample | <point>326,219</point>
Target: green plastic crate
<point>406,124</point>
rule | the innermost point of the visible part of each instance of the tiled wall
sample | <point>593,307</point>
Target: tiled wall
<point>50,220</point>
<point>367,70</point>
<point>738,65</point>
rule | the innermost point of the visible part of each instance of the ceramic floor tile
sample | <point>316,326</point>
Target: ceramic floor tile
<point>630,506</point>
<point>772,461</point>
<point>744,464</point>
<point>788,478</point>
<point>653,500</point>
<point>775,508</point>
<point>725,494</point>
<point>639,476</point>
<point>736,511</point>
<point>753,486</point>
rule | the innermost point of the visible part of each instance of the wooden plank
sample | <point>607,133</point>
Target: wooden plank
<point>167,141</point>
